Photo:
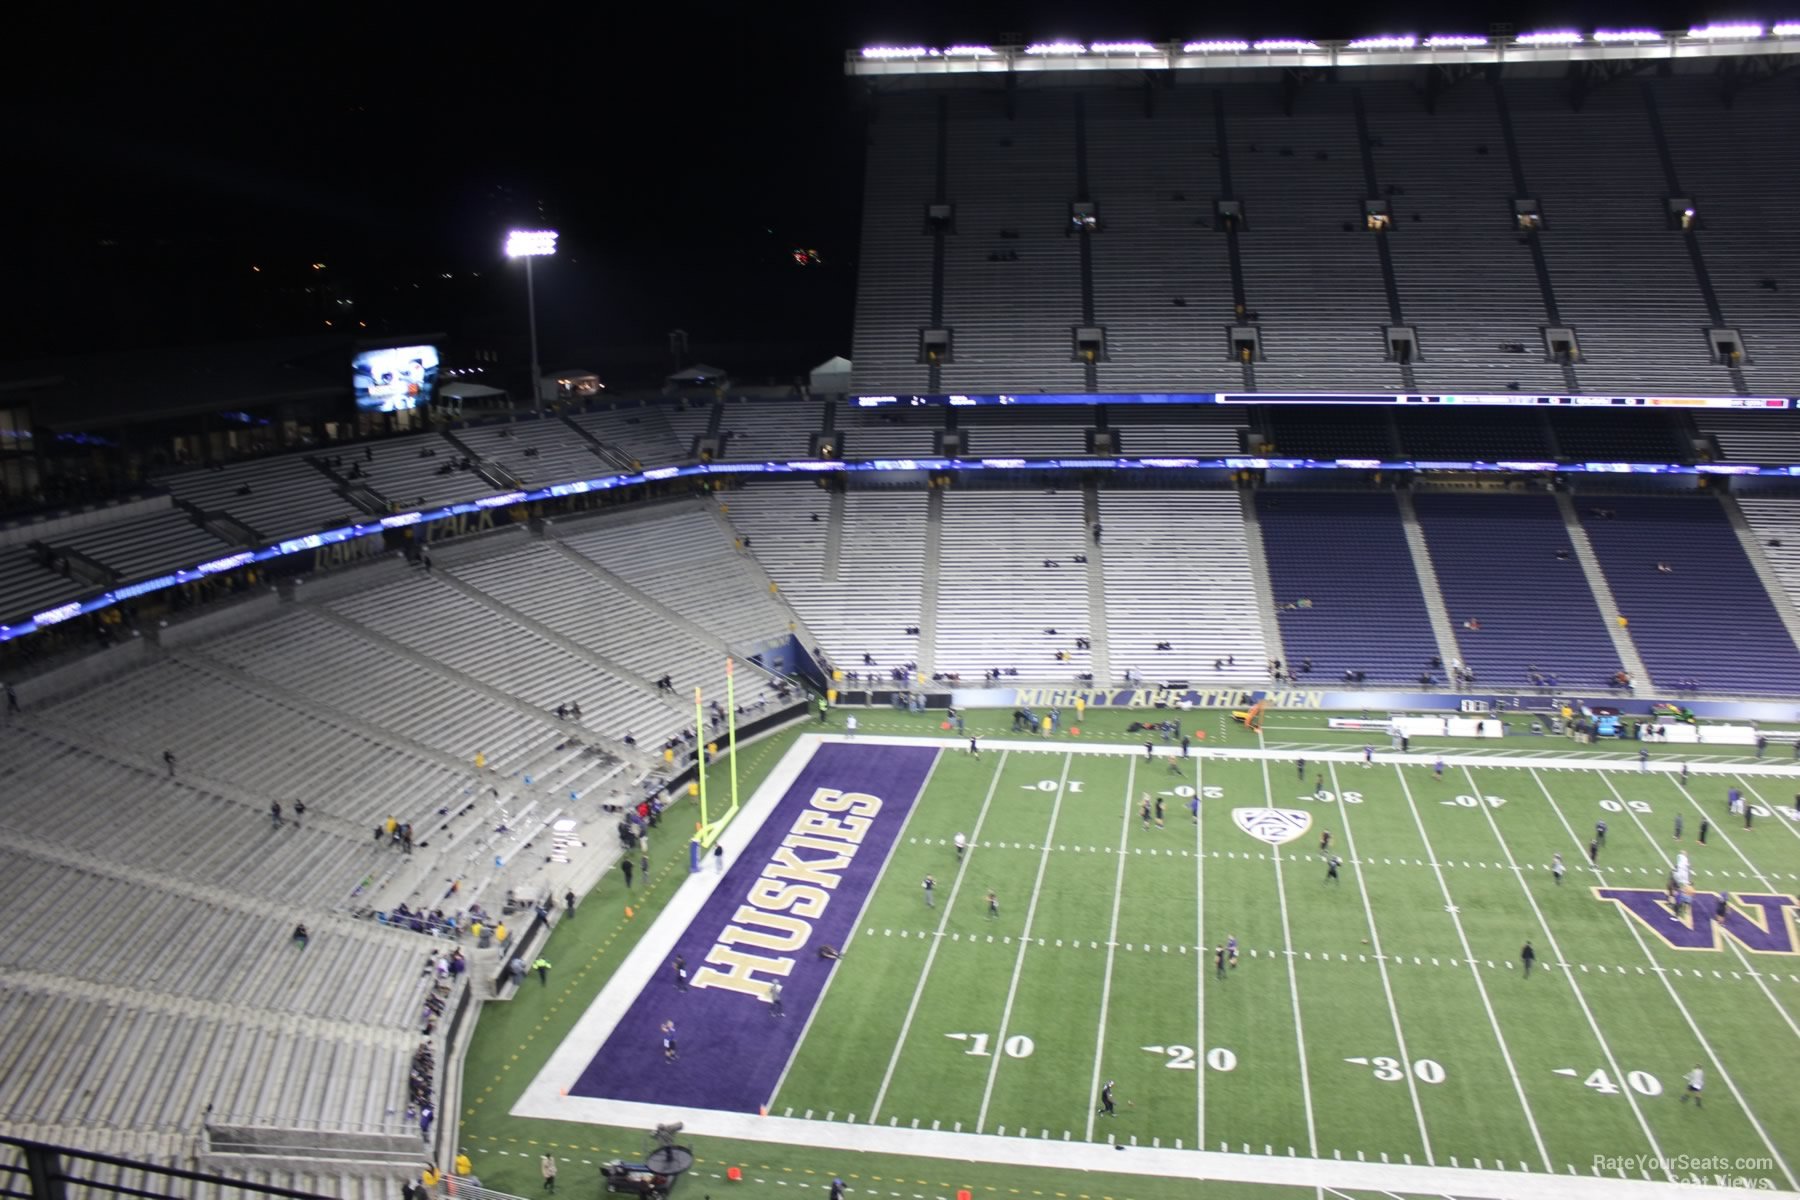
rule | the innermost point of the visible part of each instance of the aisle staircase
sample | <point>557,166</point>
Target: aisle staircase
<point>1603,596</point>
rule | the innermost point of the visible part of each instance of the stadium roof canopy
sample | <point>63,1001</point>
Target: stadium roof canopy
<point>1695,49</point>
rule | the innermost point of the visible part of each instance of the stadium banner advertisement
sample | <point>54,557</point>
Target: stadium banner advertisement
<point>1506,707</point>
<point>798,885</point>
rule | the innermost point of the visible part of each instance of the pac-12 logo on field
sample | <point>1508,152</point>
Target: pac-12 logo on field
<point>1276,826</point>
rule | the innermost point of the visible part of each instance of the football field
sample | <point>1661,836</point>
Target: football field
<point>1381,1017</point>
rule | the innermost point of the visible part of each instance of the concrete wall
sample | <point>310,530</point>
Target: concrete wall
<point>48,529</point>
<point>221,618</point>
<point>82,673</point>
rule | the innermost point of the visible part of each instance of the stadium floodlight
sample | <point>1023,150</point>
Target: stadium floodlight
<point>529,244</point>
<point>1550,37</point>
<point>1285,44</point>
<point>897,52</point>
<point>1742,29</point>
<point>1121,48</point>
<point>1785,29</point>
<point>1454,41</point>
<point>1404,41</point>
<point>1040,48</point>
<point>969,52</point>
<point>1615,36</point>
<point>1215,47</point>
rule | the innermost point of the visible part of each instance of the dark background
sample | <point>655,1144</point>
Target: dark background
<point>684,153</point>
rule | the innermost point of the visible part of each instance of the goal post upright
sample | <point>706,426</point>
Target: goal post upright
<point>699,737</point>
<point>731,728</point>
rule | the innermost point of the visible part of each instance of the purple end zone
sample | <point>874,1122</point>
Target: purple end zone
<point>732,1050</point>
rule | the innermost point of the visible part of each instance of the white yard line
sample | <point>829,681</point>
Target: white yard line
<point>912,1008</point>
<point>1694,1026</point>
<point>1574,985</point>
<point>819,1005</point>
<point>1200,1046</point>
<point>1012,989</point>
<point>1775,810</point>
<point>1469,955</point>
<point>1112,947</point>
<point>1737,951</point>
<point>1412,1085</point>
<point>1312,1132</point>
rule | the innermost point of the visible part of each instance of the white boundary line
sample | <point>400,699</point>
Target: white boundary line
<point>1412,1084</point>
<point>1200,1046</point>
<point>1775,810</point>
<point>912,1008</point>
<point>1706,1046</point>
<point>1287,937</point>
<point>1012,989</point>
<point>1112,947</point>
<point>1736,950</point>
<point>1424,758</point>
<point>819,1004</point>
<point>1569,974</point>
<point>1475,973</point>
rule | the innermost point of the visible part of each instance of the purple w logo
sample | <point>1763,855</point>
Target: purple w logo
<point>1762,924</point>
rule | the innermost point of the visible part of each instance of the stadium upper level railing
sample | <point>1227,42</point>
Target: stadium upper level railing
<point>800,468</point>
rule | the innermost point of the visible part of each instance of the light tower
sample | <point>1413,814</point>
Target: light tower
<point>529,244</point>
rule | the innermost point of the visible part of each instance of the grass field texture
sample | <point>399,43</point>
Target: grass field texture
<point>1384,1016</point>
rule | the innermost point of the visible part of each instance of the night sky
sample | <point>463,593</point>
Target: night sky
<point>683,152</point>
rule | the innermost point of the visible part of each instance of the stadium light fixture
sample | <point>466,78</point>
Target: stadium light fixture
<point>1786,29</point>
<point>1122,48</point>
<point>1285,44</point>
<point>897,52</point>
<point>1454,41</point>
<point>529,244</point>
<point>1404,41</point>
<point>969,52</point>
<point>1047,48</point>
<point>1215,47</point>
<point>1550,37</point>
<point>1728,30</point>
<point>1618,36</point>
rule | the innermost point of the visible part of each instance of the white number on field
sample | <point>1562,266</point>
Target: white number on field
<point>1050,785</point>
<point>1186,792</point>
<point>1181,1058</point>
<point>1016,1046</point>
<point>1642,1082</point>
<point>1478,801</point>
<point>1636,806</point>
<point>1390,1070</point>
<point>1334,797</point>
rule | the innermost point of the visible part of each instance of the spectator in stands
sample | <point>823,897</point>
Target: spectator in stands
<point>169,761</point>
<point>275,813</point>
<point>301,937</point>
<point>12,700</point>
<point>299,810</point>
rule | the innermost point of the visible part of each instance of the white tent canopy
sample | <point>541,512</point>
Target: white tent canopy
<point>831,377</point>
<point>698,375</point>
<point>467,392</point>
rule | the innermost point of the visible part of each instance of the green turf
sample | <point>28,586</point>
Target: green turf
<point>1126,917</point>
